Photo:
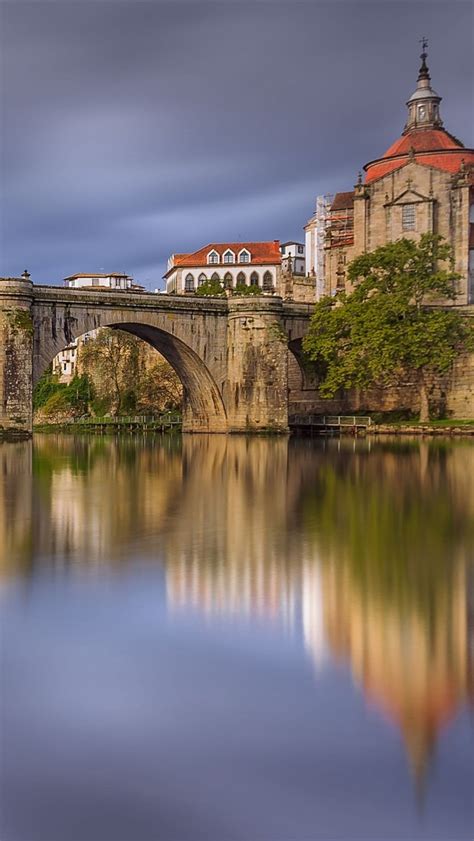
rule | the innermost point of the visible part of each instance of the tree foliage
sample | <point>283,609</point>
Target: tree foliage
<point>53,398</point>
<point>245,290</point>
<point>128,375</point>
<point>210,288</point>
<point>387,330</point>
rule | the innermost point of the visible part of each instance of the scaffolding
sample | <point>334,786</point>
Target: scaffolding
<point>323,206</point>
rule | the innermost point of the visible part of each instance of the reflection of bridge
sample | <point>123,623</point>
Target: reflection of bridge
<point>231,354</point>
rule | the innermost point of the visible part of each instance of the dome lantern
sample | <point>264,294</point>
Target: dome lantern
<point>423,104</point>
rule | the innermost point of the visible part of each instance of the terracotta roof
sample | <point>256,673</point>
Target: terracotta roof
<point>343,201</point>
<point>261,254</point>
<point>426,140</point>
<point>429,147</point>
<point>449,161</point>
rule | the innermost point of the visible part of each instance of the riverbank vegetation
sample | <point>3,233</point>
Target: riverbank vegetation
<point>386,331</point>
<point>117,374</point>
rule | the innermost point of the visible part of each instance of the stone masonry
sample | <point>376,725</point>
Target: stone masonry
<point>230,354</point>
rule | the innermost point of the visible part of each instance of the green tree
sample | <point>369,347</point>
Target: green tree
<point>159,390</point>
<point>245,290</point>
<point>387,330</point>
<point>210,288</point>
<point>112,361</point>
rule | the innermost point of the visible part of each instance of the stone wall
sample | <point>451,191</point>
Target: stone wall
<point>256,390</point>
<point>16,338</point>
<point>452,396</point>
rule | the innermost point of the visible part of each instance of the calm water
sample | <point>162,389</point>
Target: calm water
<point>234,638</point>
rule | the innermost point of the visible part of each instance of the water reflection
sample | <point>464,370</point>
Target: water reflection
<point>361,551</point>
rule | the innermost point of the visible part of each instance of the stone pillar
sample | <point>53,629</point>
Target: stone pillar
<point>256,389</point>
<point>16,353</point>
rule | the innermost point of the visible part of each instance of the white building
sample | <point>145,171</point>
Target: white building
<point>231,263</point>
<point>115,280</point>
<point>65,363</point>
<point>293,257</point>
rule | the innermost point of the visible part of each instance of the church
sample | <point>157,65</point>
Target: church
<point>424,183</point>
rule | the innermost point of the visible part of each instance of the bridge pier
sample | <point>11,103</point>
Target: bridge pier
<point>256,388</point>
<point>16,357</point>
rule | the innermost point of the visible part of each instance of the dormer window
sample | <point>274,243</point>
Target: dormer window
<point>229,256</point>
<point>213,257</point>
<point>244,256</point>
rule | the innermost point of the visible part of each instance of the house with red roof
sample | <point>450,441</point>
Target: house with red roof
<point>230,263</point>
<point>423,183</point>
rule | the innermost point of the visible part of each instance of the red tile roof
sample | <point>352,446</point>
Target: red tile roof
<point>429,147</point>
<point>343,201</point>
<point>261,254</point>
<point>426,140</point>
<point>447,161</point>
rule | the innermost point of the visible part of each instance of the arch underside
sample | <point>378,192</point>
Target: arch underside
<point>203,407</point>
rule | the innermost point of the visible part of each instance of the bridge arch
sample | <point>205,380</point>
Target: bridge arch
<point>203,406</point>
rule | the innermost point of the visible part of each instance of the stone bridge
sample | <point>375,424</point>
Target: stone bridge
<point>231,354</point>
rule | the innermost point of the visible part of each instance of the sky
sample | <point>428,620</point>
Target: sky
<point>132,130</point>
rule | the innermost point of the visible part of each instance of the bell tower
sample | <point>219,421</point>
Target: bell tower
<point>423,105</point>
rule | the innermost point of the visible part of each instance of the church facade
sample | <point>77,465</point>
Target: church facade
<point>424,183</point>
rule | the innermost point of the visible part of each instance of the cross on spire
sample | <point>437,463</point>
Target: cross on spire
<point>424,72</point>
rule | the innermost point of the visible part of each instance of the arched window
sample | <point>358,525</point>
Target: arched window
<point>268,282</point>
<point>244,256</point>
<point>227,280</point>
<point>189,283</point>
<point>202,279</point>
<point>241,279</point>
<point>213,257</point>
<point>229,257</point>
<point>254,279</point>
<point>215,276</point>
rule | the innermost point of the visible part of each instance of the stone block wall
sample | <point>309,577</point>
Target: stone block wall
<point>16,342</point>
<point>256,388</point>
<point>452,395</point>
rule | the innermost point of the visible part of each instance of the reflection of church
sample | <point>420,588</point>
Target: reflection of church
<point>415,668</point>
<point>269,529</point>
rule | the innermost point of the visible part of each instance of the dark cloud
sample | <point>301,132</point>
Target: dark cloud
<point>134,129</point>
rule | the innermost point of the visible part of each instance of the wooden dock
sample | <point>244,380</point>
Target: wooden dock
<point>136,423</point>
<point>330,424</point>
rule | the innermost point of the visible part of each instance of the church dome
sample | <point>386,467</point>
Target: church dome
<point>424,138</point>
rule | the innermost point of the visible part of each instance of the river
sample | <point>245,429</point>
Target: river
<point>219,638</point>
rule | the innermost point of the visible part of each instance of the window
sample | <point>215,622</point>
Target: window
<point>213,257</point>
<point>408,217</point>
<point>254,279</point>
<point>227,280</point>
<point>201,279</point>
<point>215,276</point>
<point>244,257</point>
<point>300,249</point>
<point>267,282</point>
<point>283,249</point>
<point>189,283</point>
<point>241,279</point>
<point>228,257</point>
